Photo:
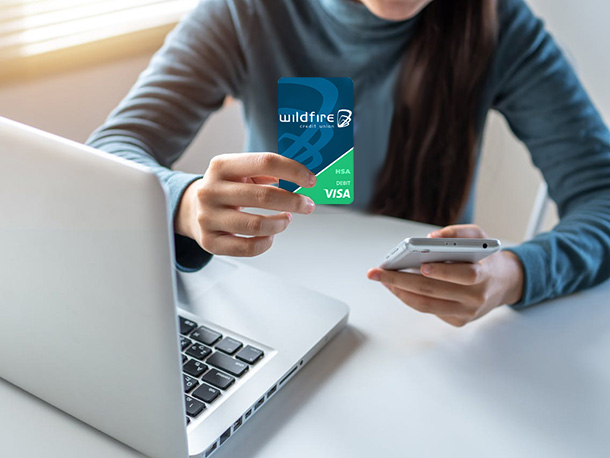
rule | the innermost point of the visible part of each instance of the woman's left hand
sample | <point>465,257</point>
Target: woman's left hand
<point>458,293</point>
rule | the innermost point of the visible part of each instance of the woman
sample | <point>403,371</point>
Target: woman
<point>425,74</point>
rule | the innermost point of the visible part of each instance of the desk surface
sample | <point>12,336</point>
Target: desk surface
<point>396,382</point>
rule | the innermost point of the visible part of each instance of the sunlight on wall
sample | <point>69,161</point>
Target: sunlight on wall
<point>30,27</point>
<point>42,37</point>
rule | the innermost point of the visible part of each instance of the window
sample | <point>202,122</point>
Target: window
<point>42,35</point>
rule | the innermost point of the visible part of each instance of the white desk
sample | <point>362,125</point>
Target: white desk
<point>396,382</point>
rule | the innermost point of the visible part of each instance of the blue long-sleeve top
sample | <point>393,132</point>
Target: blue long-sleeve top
<point>242,47</point>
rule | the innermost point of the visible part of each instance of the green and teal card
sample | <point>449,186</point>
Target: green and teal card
<point>315,128</point>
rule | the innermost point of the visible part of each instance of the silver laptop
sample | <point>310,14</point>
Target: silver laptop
<point>95,321</point>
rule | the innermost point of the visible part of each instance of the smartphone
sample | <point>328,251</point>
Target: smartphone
<point>411,253</point>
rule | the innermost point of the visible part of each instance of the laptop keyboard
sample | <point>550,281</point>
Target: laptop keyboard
<point>211,362</point>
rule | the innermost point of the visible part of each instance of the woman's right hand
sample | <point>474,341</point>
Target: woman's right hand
<point>210,211</point>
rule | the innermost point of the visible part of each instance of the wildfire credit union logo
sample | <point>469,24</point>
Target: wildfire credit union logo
<point>343,118</point>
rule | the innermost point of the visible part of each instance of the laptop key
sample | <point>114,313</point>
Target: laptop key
<point>218,379</point>
<point>198,351</point>
<point>206,393</point>
<point>229,345</point>
<point>184,359</point>
<point>206,335</point>
<point>189,383</point>
<point>193,406</point>
<point>186,326</point>
<point>194,368</point>
<point>228,364</point>
<point>184,343</point>
<point>249,354</point>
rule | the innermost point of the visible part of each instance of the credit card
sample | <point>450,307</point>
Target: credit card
<point>315,128</point>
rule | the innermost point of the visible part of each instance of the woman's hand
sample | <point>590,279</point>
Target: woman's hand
<point>210,211</point>
<point>458,293</point>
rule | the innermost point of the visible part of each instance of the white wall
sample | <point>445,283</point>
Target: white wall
<point>70,104</point>
<point>75,103</point>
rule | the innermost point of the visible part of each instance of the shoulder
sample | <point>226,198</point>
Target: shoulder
<point>257,11</point>
<point>245,8</point>
<point>249,16</point>
<point>517,22</point>
<point>223,10</point>
<point>523,41</point>
<point>220,22</point>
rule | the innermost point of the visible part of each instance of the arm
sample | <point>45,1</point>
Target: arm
<point>548,109</point>
<point>188,78</point>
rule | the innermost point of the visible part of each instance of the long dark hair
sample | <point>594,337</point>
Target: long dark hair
<point>430,160</point>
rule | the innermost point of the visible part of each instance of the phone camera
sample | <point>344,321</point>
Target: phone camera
<point>484,245</point>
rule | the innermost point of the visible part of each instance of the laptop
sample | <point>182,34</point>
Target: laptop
<point>96,321</point>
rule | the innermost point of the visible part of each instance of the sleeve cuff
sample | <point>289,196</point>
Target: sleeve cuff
<point>190,257</point>
<point>534,260</point>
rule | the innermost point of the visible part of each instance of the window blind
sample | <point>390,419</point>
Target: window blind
<point>34,27</point>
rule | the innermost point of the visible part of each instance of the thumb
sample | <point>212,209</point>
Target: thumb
<point>459,231</point>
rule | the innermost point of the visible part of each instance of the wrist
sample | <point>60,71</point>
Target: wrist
<point>183,216</point>
<point>515,278</point>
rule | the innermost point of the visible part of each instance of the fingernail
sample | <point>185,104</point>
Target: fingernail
<point>312,179</point>
<point>434,234</point>
<point>426,269</point>
<point>310,205</point>
<point>289,216</point>
<point>375,276</point>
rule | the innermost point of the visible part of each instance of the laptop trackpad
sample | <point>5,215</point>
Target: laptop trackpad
<point>257,304</point>
<point>216,271</point>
